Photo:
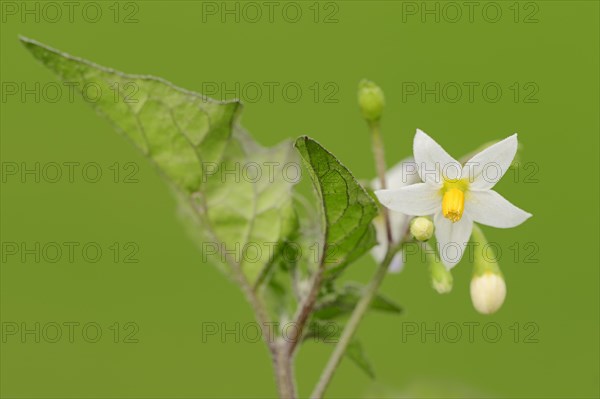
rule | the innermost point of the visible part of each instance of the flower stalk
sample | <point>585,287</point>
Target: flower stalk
<point>357,315</point>
<point>379,156</point>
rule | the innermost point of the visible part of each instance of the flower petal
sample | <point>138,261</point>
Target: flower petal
<point>399,225</point>
<point>399,222</point>
<point>452,238</point>
<point>397,264</point>
<point>433,161</point>
<point>419,199</point>
<point>486,168</point>
<point>379,250</point>
<point>490,208</point>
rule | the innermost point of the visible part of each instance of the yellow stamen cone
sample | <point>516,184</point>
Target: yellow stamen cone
<point>453,204</point>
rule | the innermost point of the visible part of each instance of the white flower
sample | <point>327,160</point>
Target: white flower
<point>457,195</point>
<point>488,292</point>
<point>400,175</point>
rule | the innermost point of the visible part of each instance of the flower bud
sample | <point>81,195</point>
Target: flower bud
<point>421,228</point>
<point>370,100</point>
<point>441,278</point>
<point>488,291</point>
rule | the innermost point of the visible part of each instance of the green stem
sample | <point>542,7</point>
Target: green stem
<point>359,311</point>
<point>283,364</point>
<point>379,155</point>
<point>306,309</point>
<point>481,264</point>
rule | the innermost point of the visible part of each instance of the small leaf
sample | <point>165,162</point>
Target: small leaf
<point>341,303</point>
<point>278,294</point>
<point>327,332</point>
<point>380,302</point>
<point>356,353</point>
<point>347,209</point>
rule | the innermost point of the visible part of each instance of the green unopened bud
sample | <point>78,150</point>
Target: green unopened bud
<point>441,278</point>
<point>370,100</point>
<point>488,288</point>
<point>421,228</point>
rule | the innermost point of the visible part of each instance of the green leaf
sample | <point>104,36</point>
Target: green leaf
<point>278,294</point>
<point>194,141</point>
<point>341,303</point>
<point>346,208</point>
<point>355,352</point>
<point>327,332</point>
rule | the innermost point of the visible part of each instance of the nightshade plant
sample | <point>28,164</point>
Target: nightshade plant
<point>187,135</point>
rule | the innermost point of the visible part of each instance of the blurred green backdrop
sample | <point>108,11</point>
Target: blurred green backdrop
<point>542,55</point>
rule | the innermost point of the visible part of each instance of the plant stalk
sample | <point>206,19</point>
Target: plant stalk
<point>379,155</point>
<point>357,315</point>
<point>284,371</point>
<point>305,310</point>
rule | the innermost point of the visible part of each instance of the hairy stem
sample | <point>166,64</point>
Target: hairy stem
<point>282,361</point>
<point>305,310</point>
<point>260,311</point>
<point>284,371</point>
<point>359,311</point>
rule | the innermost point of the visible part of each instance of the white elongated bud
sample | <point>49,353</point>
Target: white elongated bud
<point>421,228</point>
<point>488,291</point>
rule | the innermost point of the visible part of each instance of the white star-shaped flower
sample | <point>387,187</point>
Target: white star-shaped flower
<point>456,195</point>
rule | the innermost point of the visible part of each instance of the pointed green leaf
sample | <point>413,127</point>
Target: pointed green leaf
<point>327,332</point>
<point>346,208</point>
<point>355,352</point>
<point>201,151</point>
<point>175,128</point>
<point>342,302</point>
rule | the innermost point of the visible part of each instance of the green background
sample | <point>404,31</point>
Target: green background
<point>169,293</point>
